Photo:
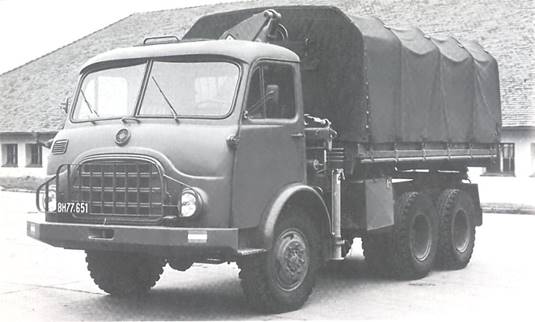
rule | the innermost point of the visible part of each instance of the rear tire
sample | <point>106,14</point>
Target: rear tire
<point>282,279</point>
<point>124,274</point>
<point>457,229</point>
<point>414,237</point>
<point>375,248</point>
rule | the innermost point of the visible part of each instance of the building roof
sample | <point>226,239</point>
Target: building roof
<point>30,94</point>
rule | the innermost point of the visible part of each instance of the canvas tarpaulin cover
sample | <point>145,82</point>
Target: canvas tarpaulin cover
<point>380,84</point>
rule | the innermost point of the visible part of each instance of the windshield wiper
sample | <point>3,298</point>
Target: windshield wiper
<point>175,114</point>
<point>91,110</point>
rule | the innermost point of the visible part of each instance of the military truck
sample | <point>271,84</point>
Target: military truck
<point>273,137</point>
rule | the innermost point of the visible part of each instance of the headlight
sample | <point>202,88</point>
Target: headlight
<point>51,199</point>
<point>190,203</point>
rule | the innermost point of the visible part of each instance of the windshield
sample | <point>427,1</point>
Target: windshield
<point>109,93</point>
<point>174,89</point>
<point>190,89</point>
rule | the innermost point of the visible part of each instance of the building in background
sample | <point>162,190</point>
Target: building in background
<point>30,94</point>
<point>23,153</point>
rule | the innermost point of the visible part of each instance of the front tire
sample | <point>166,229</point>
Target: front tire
<point>457,229</point>
<point>415,236</point>
<point>282,279</point>
<point>124,274</point>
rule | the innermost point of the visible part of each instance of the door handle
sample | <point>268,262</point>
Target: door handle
<point>298,135</point>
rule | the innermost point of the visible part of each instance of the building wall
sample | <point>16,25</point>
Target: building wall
<point>517,189</point>
<point>524,140</point>
<point>22,169</point>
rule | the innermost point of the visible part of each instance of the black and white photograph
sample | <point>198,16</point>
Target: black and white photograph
<point>267,160</point>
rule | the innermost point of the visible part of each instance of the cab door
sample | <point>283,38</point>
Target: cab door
<point>270,153</point>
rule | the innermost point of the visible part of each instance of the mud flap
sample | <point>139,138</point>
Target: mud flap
<point>379,200</point>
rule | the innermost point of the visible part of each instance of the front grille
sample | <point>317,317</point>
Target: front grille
<point>120,189</point>
<point>60,146</point>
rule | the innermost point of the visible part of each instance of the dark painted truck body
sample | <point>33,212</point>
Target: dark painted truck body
<point>273,139</point>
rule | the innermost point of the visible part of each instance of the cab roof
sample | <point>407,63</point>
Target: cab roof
<point>245,51</point>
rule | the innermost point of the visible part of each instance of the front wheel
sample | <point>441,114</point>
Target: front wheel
<point>124,274</point>
<point>282,279</point>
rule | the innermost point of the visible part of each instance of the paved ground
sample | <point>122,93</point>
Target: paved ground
<point>39,282</point>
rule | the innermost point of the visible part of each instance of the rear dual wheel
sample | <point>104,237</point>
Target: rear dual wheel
<point>415,236</point>
<point>408,251</point>
<point>457,229</point>
<point>376,251</point>
<point>424,234</point>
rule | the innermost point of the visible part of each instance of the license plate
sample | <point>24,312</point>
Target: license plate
<point>73,207</point>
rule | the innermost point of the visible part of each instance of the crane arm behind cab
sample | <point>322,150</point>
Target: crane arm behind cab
<point>266,27</point>
<point>261,27</point>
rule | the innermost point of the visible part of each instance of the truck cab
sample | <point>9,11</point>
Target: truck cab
<point>180,107</point>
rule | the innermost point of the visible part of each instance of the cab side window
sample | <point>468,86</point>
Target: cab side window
<point>271,92</point>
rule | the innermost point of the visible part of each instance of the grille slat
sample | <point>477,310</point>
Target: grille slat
<point>123,204</point>
<point>150,193</point>
<point>137,187</point>
<point>117,189</point>
<point>114,183</point>
<point>120,174</point>
<point>126,191</point>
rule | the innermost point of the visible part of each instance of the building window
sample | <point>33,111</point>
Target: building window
<point>505,163</point>
<point>34,155</point>
<point>10,155</point>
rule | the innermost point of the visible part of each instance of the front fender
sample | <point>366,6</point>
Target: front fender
<point>301,194</point>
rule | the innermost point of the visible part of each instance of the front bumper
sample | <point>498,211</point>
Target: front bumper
<point>164,241</point>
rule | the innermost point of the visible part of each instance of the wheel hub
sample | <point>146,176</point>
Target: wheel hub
<point>420,237</point>
<point>291,260</point>
<point>461,232</point>
<point>294,256</point>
